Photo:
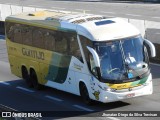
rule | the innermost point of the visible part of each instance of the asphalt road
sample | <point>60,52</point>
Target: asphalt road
<point>111,8</point>
<point>15,94</point>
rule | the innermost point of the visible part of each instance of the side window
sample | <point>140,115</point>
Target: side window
<point>61,42</point>
<point>49,40</point>
<point>74,47</point>
<point>85,42</point>
<point>27,35</point>
<point>38,38</point>
<point>17,33</point>
<point>92,65</point>
<point>9,30</point>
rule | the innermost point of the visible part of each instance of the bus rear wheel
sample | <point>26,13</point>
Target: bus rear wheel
<point>33,78</point>
<point>85,95</point>
<point>25,76</point>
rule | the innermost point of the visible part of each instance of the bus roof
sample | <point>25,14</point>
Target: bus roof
<point>94,27</point>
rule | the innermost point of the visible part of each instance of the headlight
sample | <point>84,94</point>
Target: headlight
<point>104,88</point>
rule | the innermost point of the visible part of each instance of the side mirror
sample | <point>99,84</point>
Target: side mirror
<point>151,46</point>
<point>95,56</point>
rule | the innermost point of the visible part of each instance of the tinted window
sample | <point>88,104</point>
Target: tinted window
<point>17,33</point>
<point>58,41</point>
<point>38,38</point>
<point>74,47</point>
<point>49,40</point>
<point>61,42</point>
<point>9,30</point>
<point>86,42</point>
<point>26,35</point>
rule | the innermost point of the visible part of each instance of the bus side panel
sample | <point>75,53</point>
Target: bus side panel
<point>43,72</point>
<point>14,53</point>
<point>58,68</point>
<point>60,73</point>
<point>15,65</point>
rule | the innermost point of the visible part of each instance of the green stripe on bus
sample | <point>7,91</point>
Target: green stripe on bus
<point>58,68</point>
<point>139,82</point>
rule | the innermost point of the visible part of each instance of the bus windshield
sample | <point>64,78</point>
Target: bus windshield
<point>122,59</point>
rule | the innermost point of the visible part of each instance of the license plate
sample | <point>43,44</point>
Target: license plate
<point>130,95</point>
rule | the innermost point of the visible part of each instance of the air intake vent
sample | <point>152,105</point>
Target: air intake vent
<point>104,22</point>
<point>94,18</point>
<point>79,21</point>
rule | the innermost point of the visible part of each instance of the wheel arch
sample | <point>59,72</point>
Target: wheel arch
<point>23,67</point>
<point>31,69</point>
<point>81,83</point>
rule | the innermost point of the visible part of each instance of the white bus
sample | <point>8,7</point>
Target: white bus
<point>97,58</point>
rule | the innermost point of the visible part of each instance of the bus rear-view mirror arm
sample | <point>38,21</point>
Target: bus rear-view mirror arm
<point>152,47</point>
<point>95,56</point>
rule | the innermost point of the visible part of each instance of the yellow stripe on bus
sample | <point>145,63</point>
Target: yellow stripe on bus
<point>122,86</point>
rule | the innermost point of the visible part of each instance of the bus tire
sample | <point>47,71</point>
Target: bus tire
<point>84,94</point>
<point>34,79</point>
<point>25,76</point>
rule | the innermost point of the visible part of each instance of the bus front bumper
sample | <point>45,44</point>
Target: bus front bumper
<point>117,96</point>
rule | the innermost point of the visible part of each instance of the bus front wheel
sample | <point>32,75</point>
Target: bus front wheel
<point>25,76</point>
<point>85,95</point>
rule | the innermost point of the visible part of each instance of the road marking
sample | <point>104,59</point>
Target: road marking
<point>91,0</point>
<point>34,6</point>
<point>156,17</point>
<point>113,118</point>
<point>5,83</point>
<point>108,12</point>
<point>155,64</point>
<point>82,10</point>
<point>7,3</point>
<point>58,8</point>
<point>25,89</point>
<point>132,15</point>
<point>53,98</point>
<point>83,108</point>
<point>106,118</point>
<point>7,108</point>
<point>109,16</point>
<point>11,4</point>
<point>157,33</point>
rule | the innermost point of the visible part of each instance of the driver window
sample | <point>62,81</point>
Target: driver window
<point>92,66</point>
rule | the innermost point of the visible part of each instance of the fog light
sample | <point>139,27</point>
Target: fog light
<point>107,89</point>
<point>106,98</point>
<point>113,90</point>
